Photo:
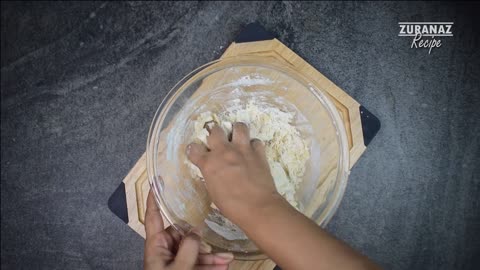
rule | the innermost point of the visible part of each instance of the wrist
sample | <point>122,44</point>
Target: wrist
<point>262,209</point>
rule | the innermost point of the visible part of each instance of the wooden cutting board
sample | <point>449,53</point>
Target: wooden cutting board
<point>129,200</point>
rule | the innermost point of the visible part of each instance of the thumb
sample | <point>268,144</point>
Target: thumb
<point>187,252</point>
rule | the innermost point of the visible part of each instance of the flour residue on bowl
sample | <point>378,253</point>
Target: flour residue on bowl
<point>224,227</point>
<point>249,80</point>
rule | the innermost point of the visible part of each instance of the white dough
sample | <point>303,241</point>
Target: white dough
<point>286,151</point>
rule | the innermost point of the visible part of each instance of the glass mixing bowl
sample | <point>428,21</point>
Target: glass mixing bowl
<point>231,82</point>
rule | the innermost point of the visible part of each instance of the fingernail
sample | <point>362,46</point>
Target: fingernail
<point>225,255</point>
<point>209,125</point>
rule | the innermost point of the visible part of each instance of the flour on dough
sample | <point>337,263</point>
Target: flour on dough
<point>286,151</point>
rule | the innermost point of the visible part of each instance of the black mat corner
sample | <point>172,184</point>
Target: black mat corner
<point>117,203</point>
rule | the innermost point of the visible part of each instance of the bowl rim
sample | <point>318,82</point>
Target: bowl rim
<point>343,163</point>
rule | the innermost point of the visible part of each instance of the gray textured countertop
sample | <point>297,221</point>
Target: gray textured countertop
<point>80,83</point>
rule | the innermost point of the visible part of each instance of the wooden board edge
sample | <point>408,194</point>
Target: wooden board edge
<point>131,194</point>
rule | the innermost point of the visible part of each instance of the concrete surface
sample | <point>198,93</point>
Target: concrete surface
<point>81,81</point>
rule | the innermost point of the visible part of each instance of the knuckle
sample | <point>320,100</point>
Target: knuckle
<point>232,156</point>
<point>217,131</point>
<point>257,143</point>
<point>209,168</point>
<point>156,239</point>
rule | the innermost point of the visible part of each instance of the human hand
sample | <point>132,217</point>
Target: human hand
<point>236,172</point>
<point>239,182</point>
<point>165,248</point>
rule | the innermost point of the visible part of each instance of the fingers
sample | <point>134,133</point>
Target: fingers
<point>197,153</point>
<point>153,217</point>
<point>187,252</point>
<point>176,236</point>
<point>240,134</point>
<point>217,138</point>
<point>218,258</point>
<point>159,242</point>
<point>173,238</point>
<point>157,248</point>
<point>258,147</point>
<point>205,248</point>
